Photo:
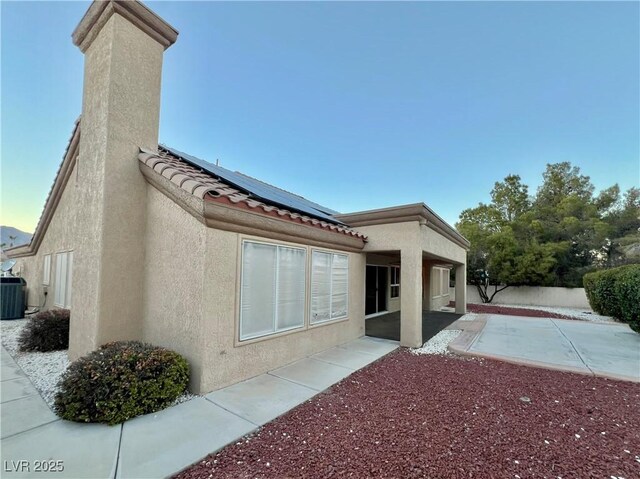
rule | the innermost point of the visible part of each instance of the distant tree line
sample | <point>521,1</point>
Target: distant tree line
<point>552,238</point>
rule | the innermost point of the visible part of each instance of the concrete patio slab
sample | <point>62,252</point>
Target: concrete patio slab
<point>16,388</point>
<point>86,451</point>
<point>345,358</point>
<point>261,399</point>
<point>529,340</point>
<point>23,414</point>
<point>312,373</point>
<point>387,325</point>
<point>161,444</point>
<point>610,350</point>
<point>376,346</point>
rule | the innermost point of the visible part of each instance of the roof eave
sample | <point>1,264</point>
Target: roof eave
<point>399,214</point>
<point>55,194</point>
<point>217,213</point>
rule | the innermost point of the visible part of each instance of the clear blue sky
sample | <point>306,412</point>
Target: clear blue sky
<point>354,105</point>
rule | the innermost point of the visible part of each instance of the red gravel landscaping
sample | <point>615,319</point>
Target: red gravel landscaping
<point>446,417</point>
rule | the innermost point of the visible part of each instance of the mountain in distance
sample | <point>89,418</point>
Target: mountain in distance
<point>10,237</point>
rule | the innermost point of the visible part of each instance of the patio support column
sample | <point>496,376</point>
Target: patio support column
<point>411,297</point>
<point>461,288</point>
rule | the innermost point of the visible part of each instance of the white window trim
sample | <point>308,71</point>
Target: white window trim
<point>276,332</point>
<point>46,270</point>
<point>68,277</point>
<point>313,322</point>
<point>392,284</point>
<point>445,282</point>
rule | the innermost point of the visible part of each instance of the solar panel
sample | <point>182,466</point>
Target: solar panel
<point>259,190</point>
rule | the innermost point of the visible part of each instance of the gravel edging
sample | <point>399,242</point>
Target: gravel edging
<point>45,370</point>
<point>583,314</point>
<point>438,344</point>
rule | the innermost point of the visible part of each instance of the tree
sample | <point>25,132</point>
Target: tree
<point>561,180</point>
<point>510,197</point>
<point>501,253</point>
<point>553,238</point>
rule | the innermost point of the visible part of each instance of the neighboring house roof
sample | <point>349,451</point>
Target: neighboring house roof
<point>211,183</point>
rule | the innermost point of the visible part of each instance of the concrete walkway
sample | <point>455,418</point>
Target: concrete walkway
<point>600,349</point>
<point>161,444</point>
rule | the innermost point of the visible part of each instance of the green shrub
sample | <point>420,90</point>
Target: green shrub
<point>616,292</point>
<point>627,292</point>
<point>46,331</point>
<point>119,381</point>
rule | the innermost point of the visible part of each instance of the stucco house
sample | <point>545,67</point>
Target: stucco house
<point>144,242</point>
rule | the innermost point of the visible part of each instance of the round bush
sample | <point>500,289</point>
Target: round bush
<point>46,331</point>
<point>616,292</point>
<point>119,381</point>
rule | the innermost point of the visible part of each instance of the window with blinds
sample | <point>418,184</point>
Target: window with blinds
<point>46,270</point>
<point>272,295</point>
<point>329,286</point>
<point>63,279</point>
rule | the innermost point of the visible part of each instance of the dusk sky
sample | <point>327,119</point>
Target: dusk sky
<point>352,105</point>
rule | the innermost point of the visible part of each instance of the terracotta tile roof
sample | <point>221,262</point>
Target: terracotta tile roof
<point>208,187</point>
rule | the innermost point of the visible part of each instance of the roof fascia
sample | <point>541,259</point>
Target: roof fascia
<point>229,218</point>
<point>404,213</point>
<point>59,185</point>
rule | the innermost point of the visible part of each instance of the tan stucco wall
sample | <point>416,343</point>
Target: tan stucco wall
<point>548,296</point>
<point>191,301</point>
<point>228,361</point>
<point>120,114</point>
<point>436,244</point>
<point>173,283</point>
<point>61,235</point>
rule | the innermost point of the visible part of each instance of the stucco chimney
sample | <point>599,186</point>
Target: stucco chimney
<point>123,43</point>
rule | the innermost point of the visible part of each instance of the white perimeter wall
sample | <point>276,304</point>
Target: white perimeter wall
<point>534,296</point>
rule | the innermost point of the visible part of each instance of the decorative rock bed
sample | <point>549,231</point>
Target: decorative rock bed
<point>43,369</point>
<point>437,415</point>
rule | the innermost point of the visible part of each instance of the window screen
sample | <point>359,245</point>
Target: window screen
<point>46,270</point>
<point>63,279</point>
<point>272,295</point>
<point>329,286</point>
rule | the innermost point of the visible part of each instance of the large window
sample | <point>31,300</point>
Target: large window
<point>395,281</point>
<point>272,295</point>
<point>46,270</point>
<point>329,286</point>
<point>63,279</point>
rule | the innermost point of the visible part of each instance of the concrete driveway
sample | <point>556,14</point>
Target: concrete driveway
<point>601,349</point>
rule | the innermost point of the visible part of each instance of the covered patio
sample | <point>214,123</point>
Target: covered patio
<point>411,253</point>
<point>387,326</point>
